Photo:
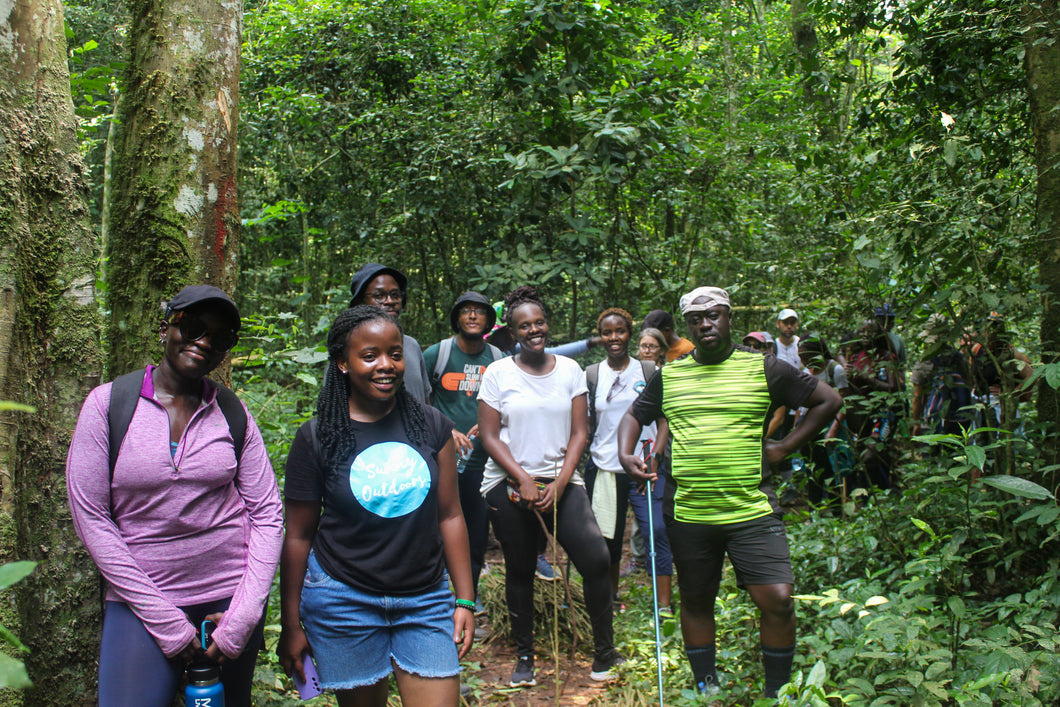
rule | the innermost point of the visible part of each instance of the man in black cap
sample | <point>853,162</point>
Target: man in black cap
<point>386,287</point>
<point>455,367</point>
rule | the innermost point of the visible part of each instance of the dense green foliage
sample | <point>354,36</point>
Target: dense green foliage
<point>620,153</point>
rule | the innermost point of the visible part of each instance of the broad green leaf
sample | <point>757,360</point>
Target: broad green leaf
<point>14,571</point>
<point>976,455</point>
<point>818,674</point>
<point>13,673</point>
<point>863,686</point>
<point>307,378</point>
<point>1018,487</point>
<point>949,152</point>
<point>923,526</point>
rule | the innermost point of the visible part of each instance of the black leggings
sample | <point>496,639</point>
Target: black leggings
<point>474,508</point>
<point>614,544</point>
<point>518,530</point>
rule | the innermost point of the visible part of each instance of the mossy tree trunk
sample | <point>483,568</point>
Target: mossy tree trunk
<point>815,97</point>
<point>49,347</point>
<point>173,217</point>
<point>1043,90</point>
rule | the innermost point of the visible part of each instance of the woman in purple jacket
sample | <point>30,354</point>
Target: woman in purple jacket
<point>186,526</point>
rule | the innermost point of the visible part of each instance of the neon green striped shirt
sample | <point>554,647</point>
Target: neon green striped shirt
<point>717,415</point>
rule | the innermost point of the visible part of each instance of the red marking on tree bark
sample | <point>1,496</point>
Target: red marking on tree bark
<point>224,197</point>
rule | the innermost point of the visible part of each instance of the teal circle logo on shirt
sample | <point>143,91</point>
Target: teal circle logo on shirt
<point>390,479</point>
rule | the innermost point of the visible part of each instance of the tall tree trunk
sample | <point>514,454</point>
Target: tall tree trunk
<point>49,347</point>
<point>1043,90</point>
<point>730,78</point>
<point>804,35</point>
<point>174,216</point>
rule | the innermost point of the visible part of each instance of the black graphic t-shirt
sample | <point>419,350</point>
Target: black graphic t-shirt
<point>378,526</point>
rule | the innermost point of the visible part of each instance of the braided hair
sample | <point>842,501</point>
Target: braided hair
<point>334,427</point>
<point>520,296</point>
<point>615,312</point>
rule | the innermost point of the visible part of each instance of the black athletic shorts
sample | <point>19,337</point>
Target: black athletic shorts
<point>757,549</point>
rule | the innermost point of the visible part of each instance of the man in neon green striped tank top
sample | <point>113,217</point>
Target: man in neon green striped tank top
<point>717,402</point>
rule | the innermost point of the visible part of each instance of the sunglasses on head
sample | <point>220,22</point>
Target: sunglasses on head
<point>193,328</point>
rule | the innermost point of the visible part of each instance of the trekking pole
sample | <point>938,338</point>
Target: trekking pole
<point>646,450</point>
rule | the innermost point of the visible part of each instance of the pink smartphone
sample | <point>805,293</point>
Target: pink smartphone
<point>311,687</point>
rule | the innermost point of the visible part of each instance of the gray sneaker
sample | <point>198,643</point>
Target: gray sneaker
<point>602,666</point>
<point>544,569</point>
<point>523,674</point>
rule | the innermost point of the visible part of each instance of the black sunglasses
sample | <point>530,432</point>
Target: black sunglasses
<point>193,328</point>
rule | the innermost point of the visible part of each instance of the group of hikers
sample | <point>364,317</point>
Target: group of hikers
<point>391,489</point>
<point>962,382</point>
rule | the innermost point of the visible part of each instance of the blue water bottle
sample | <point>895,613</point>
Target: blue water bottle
<point>204,686</point>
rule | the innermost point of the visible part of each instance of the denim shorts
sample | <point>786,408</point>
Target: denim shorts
<point>356,634</point>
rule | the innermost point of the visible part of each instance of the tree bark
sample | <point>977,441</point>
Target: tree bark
<point>49,347</point>
<point>1043,90</point>
<point>804,36</point>
<point>174,214</point>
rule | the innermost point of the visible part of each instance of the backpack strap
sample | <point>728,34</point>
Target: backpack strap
<point>648,369</point>
<point>124,397</point>
<point>496,352</point>
<point>592,377</point>
<point>445,349</point>
<point>236,416</point>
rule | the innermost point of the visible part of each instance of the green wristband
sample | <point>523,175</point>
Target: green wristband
<point>466,604</point>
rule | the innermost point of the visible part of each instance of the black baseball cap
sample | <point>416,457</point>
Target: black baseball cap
<point>202,294</point>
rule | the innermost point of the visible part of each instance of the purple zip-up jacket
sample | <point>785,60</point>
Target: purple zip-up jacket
<point>183,529</point>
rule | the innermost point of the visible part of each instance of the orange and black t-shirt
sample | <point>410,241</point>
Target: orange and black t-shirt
<point>455,393</point>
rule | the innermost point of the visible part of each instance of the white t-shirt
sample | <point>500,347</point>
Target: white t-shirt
<point>789,352</point>
<point>608,414</point>
<point>535,415</point>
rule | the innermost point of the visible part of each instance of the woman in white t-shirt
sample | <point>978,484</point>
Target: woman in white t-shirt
<point>613,385</point>
<point>533,420</point>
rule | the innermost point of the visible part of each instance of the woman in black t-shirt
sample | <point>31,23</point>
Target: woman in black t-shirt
<point>373,521</point>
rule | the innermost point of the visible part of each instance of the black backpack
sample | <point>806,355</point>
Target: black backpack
<point>125,396</point>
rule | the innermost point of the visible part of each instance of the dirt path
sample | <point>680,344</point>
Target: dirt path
<point>496,656</point>
<point>490,682</point>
